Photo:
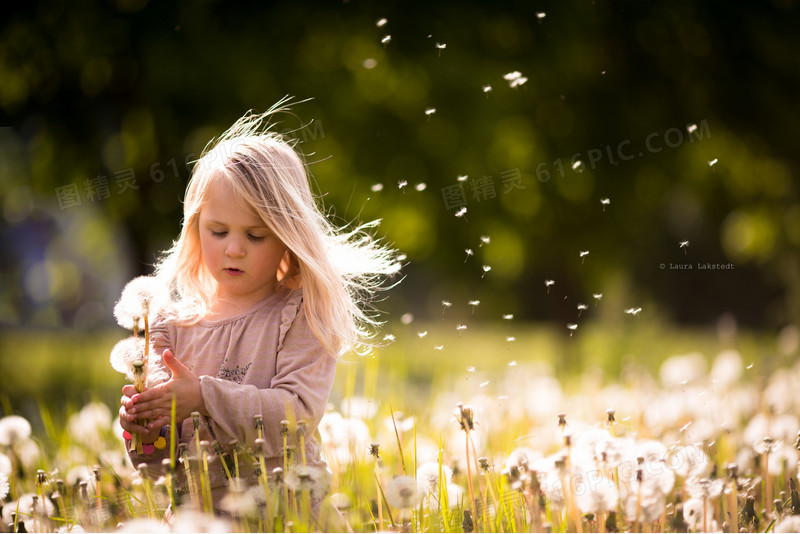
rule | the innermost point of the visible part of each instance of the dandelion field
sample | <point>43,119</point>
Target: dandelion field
<point>460,439</point>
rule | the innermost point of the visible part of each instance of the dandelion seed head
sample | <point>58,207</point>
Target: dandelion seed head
<point>428,477</point>
<point>386,39</point>
<point>407,318</point>
<point>315,480</point>
<point>14,429</point>
<point>684,244</point>
<point>124,353</point>
<point>421,187</point>
<point>4,486</point>
<point>376,188</point>
<point>595,493</point>
<point>402,493</point>
<point>380,23</point>
<point>144,295</point>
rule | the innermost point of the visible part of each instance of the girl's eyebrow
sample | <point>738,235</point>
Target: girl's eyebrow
<point>259,227</point>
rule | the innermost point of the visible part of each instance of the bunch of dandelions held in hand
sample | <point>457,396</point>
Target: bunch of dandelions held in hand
<point>142,299</point>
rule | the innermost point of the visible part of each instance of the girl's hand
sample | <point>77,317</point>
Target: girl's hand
<point>156,403</point>
<point>128,421</point>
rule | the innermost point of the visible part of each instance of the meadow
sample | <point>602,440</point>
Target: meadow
<point>648,428</point>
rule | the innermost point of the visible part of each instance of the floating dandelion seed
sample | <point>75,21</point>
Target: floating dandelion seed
<point>486,269</point>
<point>508,316</point>
<point>577,166</point>
<point>486,90</point>
<point>460,328</point>
<point>548,283</point>
<point>445,304</point>
<point>515,79</point>
<point>713,162</point>
<point>605,202</point>
<point>461,212</point>
<point>485,240</point>
<point>484,384</point>
<point>471,369</point>
<point>474,304</point>
<point>750,366</point>
<point>633,311</point>
<point>381,23</point>
<point>512,363</point>
<point>691,128</point>
<point>402,257</point>
<point>572,327</point>
<point>540,15</point>
<point>469,253</point>
<point>440,47</point>
<point>597,297</point>
<point>511,338</point>
<point>376,188</point>
<point>684,245</point>
<point>389,337</point>
<point>430,111</point>
<point>582,307</point>
<point>462,178</point>
<point>421,187</point>
<point>583,254</point>
<point>422,334</point>
<point>401,185</point>
<point>438,347</point>
<point>386,40</point>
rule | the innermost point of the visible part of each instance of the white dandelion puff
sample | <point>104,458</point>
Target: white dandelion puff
<point>402,493</point>
<point>581,308</point>
<point>440,47</point>
<point>428,477</point>
<point>376,188</point>
<point>597,297</point>
<point>124,353</point>
<point>421,187</point>
<point>4,487</point>
<point>144,295</point>
<point>14,429</point>
<point>380,23</point>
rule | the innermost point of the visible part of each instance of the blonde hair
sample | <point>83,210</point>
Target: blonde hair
<point>339,269</point>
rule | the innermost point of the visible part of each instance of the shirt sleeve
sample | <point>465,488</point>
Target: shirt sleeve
<point>301,386</point>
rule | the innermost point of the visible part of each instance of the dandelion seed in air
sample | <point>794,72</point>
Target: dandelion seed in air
<point>381,23</point>
<point>597,297</point>
<point>582,307</point>
<point>440,47</point>
<point>386,40</point>
<point>691,128</point>
<point>540,15</point>
<point>583,254</point>
<point>485,240</point>
<point>438,347</point>
<point>422,334</point>
<point>376,188</point>
<point>389,338</point>
<point>471,369</point>
<point>421,187</point>
<point>548,283</point>
<point>486,269</point>
<point>469,253</point>
<point>578,166</point>
<point>633,311</point>
<point>461,213</point>
<point>484,384</point>
<point>445,304</point>
<point>512,363</point>
<point>713,162</point>
<point>515,79</point>
<point>430,111</point>
<point>462,178</point>
<point>401,185</point>
<point>508,316</point>
<point>486,90</point>
<point>572,327</point>
<point>474,304</point>
<point>684,245</point>
<point>510,339</point>
<point>605,202</point>
<point>460,329</point>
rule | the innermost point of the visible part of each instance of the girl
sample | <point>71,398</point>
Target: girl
<point>269,294</point>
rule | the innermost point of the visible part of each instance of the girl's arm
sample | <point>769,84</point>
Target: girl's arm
<point>303,380</point>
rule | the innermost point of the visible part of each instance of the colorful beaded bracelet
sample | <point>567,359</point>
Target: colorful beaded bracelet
<point>150,448</point>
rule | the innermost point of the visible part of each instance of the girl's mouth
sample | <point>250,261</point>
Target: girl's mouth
<point>233,271</point>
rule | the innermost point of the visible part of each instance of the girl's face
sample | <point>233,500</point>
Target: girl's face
<point>239,251</point>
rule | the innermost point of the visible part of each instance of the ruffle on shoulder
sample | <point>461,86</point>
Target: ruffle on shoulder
<point>159,337</point>
<point>288,315</point>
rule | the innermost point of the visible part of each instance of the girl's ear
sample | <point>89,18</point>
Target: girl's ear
<point>289,271</point>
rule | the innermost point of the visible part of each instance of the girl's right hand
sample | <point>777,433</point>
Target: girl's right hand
<point>128,421</point>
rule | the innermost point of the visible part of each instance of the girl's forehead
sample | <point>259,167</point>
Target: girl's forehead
<point>222,204</point>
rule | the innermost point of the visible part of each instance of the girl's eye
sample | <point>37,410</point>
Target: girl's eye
<point>218,234</point>
<point>256,238</point>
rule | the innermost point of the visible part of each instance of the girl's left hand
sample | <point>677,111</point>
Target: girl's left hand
<point>156,403</point>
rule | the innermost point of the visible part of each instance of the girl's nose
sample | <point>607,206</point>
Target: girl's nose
<point>234,249</point>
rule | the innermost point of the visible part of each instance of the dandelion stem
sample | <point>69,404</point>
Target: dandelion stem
<point>469,479</point>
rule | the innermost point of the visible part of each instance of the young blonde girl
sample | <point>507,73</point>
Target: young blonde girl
<point>267,294</point>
